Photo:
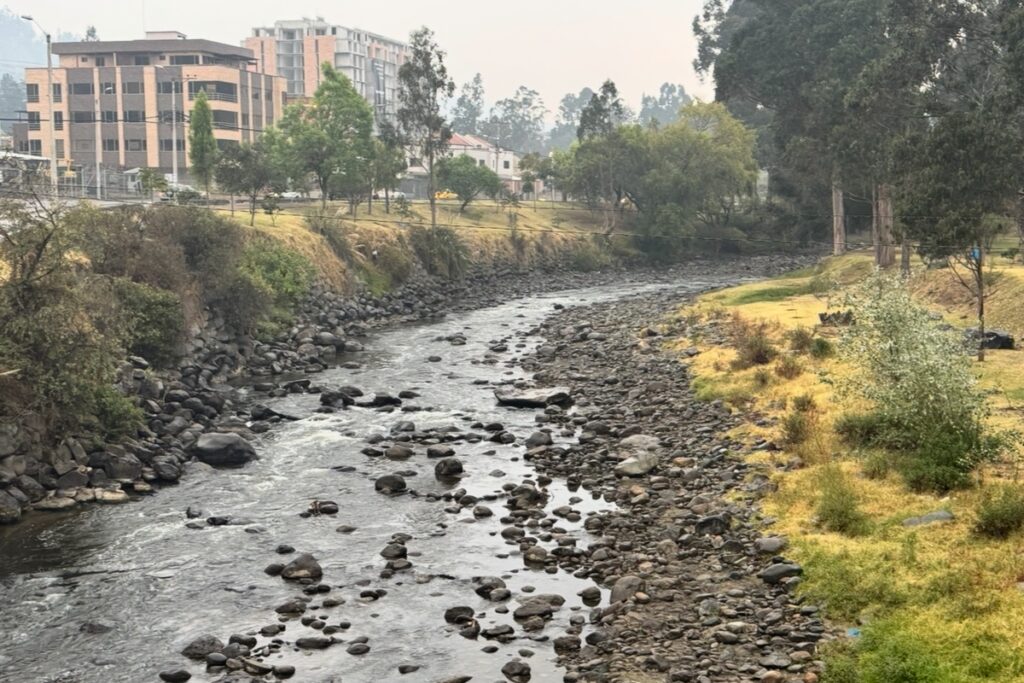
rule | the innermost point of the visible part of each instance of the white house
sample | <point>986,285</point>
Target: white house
<point>504,162</point>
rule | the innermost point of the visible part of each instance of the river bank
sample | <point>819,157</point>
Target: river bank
<point>103,569</point>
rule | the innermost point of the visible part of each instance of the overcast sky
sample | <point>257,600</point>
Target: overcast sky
<point>553,46</point>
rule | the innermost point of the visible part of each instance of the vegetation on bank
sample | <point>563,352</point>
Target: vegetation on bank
<point>887,420</point>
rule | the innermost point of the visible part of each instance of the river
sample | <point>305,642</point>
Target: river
<point>156,583</point>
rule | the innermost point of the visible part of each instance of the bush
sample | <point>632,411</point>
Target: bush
<point>153,320</point>
<point>838,509</point>
<point>796,428</point>
<point>925,398</point>
<point>752,342</point>
<point>789,367</point>
<point>861,429</point>
<point>588,256</point>
<point>821,348</point>
<point>441,251</point>
<point>284,273</point>
<point>800,339</point>
<point>804,403</point>
<point>116,416</point>
<point>762,378</point>
<point>1001,511</point>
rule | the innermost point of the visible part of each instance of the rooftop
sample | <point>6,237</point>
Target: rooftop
<point>168,45</point>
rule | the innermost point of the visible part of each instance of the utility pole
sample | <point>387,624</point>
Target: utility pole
<point>49,100</point>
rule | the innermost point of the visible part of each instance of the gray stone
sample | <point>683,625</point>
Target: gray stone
<point>221,449</point>
<point>202,646</point>
<point>534,398</point>
<point>930,518</point>
<point>10,508</point>
<point>771,545</point>
<point>780,571</point>
<point>304,566</point>
<point>637,465</point>
<point>447,468</point>
<point>625,588</point>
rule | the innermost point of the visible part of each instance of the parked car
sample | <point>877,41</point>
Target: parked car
<point>445,194</point>
<point>291,196</point>
<point>394,194</point>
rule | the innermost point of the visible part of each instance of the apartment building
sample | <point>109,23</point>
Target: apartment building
<point>125,104</point>
<point>294,50</point>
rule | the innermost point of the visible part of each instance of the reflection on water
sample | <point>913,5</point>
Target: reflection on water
<point>137,569</point>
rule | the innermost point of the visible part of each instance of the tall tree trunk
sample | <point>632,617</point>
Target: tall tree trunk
<point>431,191</point>
<point>838,220</point>
<point>874,223</point>
<point>979,281</point>
<point>387,200</point>
<point>905,254</point>
<point>369,203</point>
<point>886,226</point>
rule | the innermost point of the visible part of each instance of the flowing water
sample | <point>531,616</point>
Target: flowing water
<point>139,570</point>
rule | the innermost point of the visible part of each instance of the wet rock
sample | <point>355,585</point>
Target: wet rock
<point>440,451</point>
<point>516,671</point>
<point>284,670</point>
<point>390,483</point>
<point>222,449</point>
<point>10,508</point>
<point>314,642</point>
<point>567,644</point>
<point>202,646</point>
<point>95,628</point>
<point>399,452</point>
<point>304,566</point>
<point>408,668</point>
<point>637,465</point>
<point>539,439</point>
<point>713,525</point>
<point>534,398</point>
<point>175,676</point>
<point>448,468</point>
<point>358,649</point>
<point>458,615</point>
<point>294,606</point>
<point>487,585</point>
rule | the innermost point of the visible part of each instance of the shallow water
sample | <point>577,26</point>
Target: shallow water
<point>137,568</point>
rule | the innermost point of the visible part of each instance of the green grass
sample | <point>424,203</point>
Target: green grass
<point>767,294</point>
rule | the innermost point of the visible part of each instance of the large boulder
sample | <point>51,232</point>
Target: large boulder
<point>534,398</point>
<point>304,566</point>
<point>637,465</point>
<point>221,449</point>
<point>10,508</point>
<point>625,588</point>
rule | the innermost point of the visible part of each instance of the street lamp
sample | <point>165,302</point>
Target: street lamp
<point>49,99</point>
<point>174,127</point>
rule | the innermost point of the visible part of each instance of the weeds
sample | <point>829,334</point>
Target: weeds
<point>796,428</point>
<point>789,367</point>
<point>1001,511</point>
<point>821,348</point>
<point>838,509</point>
<point>800,339</point>
<point>752,341</point>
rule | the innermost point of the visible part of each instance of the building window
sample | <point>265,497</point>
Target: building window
<point>167,87</point>
<point>255,93</point>
<point>59,148</point>
<point>507,165</point>
<point>135,145</point>
<point>245,120</point>
<point>35,147</point>
<point>169,116</point>
<point>141,60</point>
<point>167,144</point>
<point>58,120</point>
<point>33,120</point>
<point>22,146</point>
<point>109,116</point>
<point>184,59</point>
<point>108,88</point>
<point>225,119</point>
<point>32,92</point>
<point>270,96</point>
<point>413,161</point>
<point>82,145</point>
<point>481,162</point>
<point>110,145</point>
<point>80,89</point>
<point>134,116</point>
<point>101,61</point>
<point>132,87</point>
<point>57,94</point>
<point>83,117</point>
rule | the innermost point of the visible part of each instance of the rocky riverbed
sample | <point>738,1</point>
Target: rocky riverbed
<point>394,522</point>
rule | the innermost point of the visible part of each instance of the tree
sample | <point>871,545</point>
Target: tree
<point>388,162</point>
<point>563,134</point>
<point>517,122</point>
<point>663,108</point>
<point>246,170</point>
<point>152,181</point>
<point>12,100</point>
<point>90,35</point>
<point>469,108</point>
<point>602,113</point>
<point>202,146</point>
<point>467,179</point>
<point>423,86</point>
<point>329,138</point>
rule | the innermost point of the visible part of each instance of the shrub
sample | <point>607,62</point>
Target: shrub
<point>877,465</point>
<point>796,427</point>
<point>116,416</point>
<point>752,342</point>
<point>925,398</point>
<point>395,262</point>
<point>762,378</point>
<point>838,508</point>
<point>789,367</point>
<point>860,429</point>
<point>804,403</point>
<point>800,339</point>
<point>440,250</point>
<point>285,274</point>
<point>153,319</point>
<point>588,256</point>
<point>821,348</point>
<point>1001,511</point>
<point>519,242</point>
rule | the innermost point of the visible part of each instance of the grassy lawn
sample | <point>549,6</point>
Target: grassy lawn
<point>935,602</point>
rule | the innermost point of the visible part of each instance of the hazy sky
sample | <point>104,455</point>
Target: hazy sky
<point>553,46</point>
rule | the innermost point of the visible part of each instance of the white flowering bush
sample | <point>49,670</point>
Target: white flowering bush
<point>916,377</point>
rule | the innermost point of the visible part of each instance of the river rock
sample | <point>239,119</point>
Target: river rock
<point>223,449</point>
<point>440,451</point>
<point>175,676</point>
<point>304,566</point>
<point>314,642</point>
<point>637,465</point>
<point>539,439</point>
<point>54,503</point>
<point>10,508</point>
<point>779,571</point>
<point>516,671</point>
<point>120,465</point>
<point>399,452</point>
<point>458,615</point>
<point>202,646</point>
<point>448,468</point>
<point>534,398</point>
<point>390,483</point>
<point>625,588</point>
